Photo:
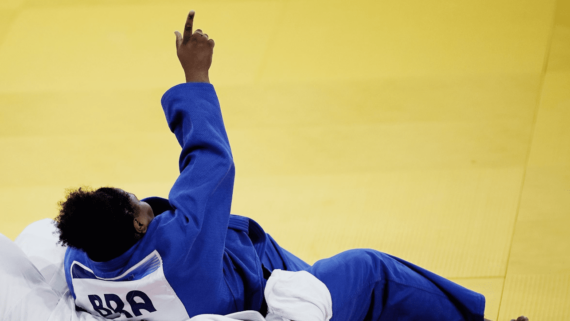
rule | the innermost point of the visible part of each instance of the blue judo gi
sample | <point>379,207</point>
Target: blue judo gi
<point>196,258</point>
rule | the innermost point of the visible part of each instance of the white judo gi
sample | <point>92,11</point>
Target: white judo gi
<point>33,286</point>
<point>25,294</point>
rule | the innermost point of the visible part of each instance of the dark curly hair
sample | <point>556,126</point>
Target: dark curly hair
<point>98,222</point>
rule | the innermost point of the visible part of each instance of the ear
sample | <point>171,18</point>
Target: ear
<point>140,225</point>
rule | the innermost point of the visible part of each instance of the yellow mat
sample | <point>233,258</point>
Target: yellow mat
<point>436,131</point>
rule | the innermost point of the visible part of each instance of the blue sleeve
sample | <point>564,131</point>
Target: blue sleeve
<point>190,237</point>
<point>202,193</point>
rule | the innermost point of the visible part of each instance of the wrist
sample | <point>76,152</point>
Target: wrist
<point>193,77</point>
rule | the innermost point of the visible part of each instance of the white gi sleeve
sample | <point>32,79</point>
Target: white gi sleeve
<point>297,296</point>
<point>26,296</point>
<point>39,242</point>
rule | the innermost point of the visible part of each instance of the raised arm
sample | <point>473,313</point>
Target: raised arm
<point>202,193</point>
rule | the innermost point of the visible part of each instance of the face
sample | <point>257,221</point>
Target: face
<point>143,214</point>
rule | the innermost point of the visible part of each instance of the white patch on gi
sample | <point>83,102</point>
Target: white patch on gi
<point>142,292</point>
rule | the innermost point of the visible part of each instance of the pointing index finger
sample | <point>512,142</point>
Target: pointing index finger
<point>188,27</point>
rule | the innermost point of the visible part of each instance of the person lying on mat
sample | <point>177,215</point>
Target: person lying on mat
<point>158,259</point>
<point>32,289</point>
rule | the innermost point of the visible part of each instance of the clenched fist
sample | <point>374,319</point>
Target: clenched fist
<point>194,52</point>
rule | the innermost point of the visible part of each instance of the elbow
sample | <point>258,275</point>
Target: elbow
<point>229,173</point>
<point>231,166</point>
<point>226,155</point>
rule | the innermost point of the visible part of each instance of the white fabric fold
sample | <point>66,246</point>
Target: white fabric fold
<point>24,293</point>
<point>298,296</point>
<point>242,316</point>
<point>39,242</point>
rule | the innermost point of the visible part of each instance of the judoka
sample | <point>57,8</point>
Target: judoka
<point>158,259</point>
<point>34,287</point>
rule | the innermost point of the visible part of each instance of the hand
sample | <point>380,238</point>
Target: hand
<point>194,51</point>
